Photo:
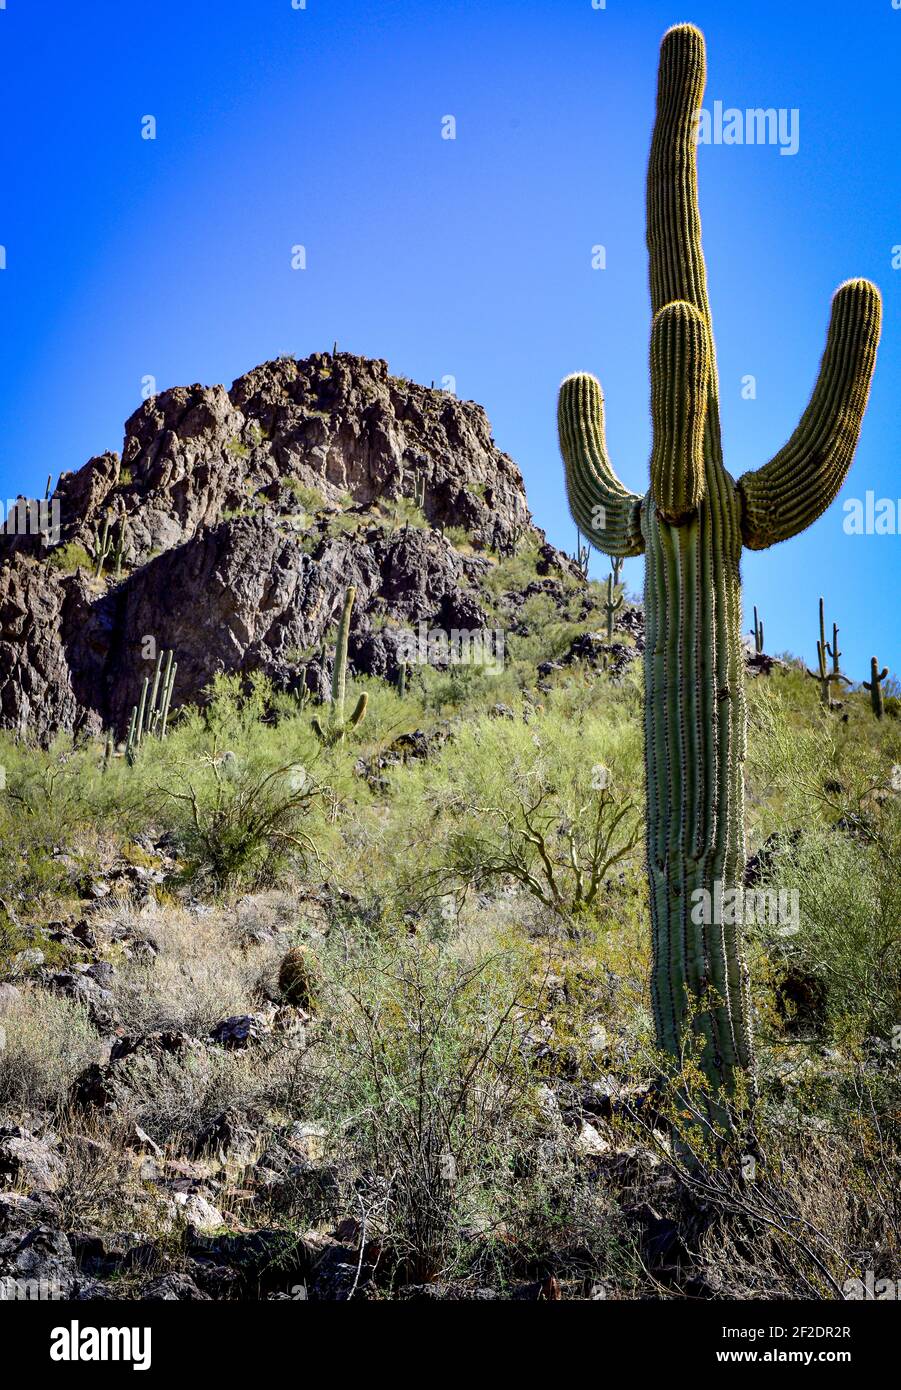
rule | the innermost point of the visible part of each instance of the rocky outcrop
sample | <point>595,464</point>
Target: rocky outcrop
<point>244,515</point>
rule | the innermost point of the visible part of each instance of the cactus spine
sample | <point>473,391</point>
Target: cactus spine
<point>691,525</point>
<point>874,685</point>
<point>336,728</point>
<point>757,634</point>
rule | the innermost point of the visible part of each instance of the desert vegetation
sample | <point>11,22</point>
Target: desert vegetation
<point>371,1015</point>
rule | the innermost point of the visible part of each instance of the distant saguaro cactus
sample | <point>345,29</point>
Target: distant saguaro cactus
<point>613,602</point>
<point>826,677</point>
<point>691,526</point>
<point>757,634</point>
<point>874,685</point>
<point>150,715</point>
<point>336,727</point>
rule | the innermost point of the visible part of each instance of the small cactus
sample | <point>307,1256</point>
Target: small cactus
<point>402,679</point>
<point>874,685</point>
<point>119,546</point>
<point>336,728</point>
<point>582,555</point>
<point>101,547</point>
<point>757,634</point>
<point>106,544</point>
<point>298,979</point>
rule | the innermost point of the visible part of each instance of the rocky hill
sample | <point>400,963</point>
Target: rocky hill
<point>233,522</point>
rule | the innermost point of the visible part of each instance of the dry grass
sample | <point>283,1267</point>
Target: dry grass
<point>208,967</point>
<point>48,1040</point>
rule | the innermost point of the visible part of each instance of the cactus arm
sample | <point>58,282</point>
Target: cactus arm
<point>677,269</point>
<point>602,507</point>
<point>680,364</point>
<point>787,494</point>
<point>142,705</point>
<point>359,711</point>
<point>168,685</point>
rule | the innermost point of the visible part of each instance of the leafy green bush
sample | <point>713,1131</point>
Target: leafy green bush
<point>70,557</point>
<point>241,828</point>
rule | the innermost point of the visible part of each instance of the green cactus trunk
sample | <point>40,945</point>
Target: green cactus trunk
<point>612,604</point>
<point>695,746</point>
<point>691,526</point>
<point>336,728</point>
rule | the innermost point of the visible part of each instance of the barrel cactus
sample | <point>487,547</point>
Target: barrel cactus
<point>691,526</point>
<point>298,979</point>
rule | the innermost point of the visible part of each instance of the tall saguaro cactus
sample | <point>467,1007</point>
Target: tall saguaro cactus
<point>691,526</point>
<point>336,727</point>
<point>823,675</point>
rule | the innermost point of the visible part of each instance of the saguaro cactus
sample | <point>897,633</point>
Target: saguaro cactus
<point>612,603</point>
<point>826,677</point>
<point>874,685</point>
<point>337,726</point>
<point>757,634</point>
<point>581,555</point>
<point>691,526</point>
<point>151,714</point>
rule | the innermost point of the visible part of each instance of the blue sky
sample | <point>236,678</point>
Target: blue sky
<point>472,258</point>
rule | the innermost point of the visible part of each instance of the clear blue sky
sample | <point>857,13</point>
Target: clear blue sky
<point>322,126</point>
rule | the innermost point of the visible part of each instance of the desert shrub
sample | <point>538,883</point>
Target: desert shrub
<point>203,972</point>
<point>824,789</point>
<point>69,557</point>
<point>243,827</point>
<point>48,1040</point>
<point>529,804</point>
<point>422,1074</point>
<point>849,930</point>
<point>178,1096</point>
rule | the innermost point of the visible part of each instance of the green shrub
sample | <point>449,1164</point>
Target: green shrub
<point>70,557</point>
<point>241,828</point>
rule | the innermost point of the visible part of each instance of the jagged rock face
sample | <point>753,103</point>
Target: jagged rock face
<point>233,552</point>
